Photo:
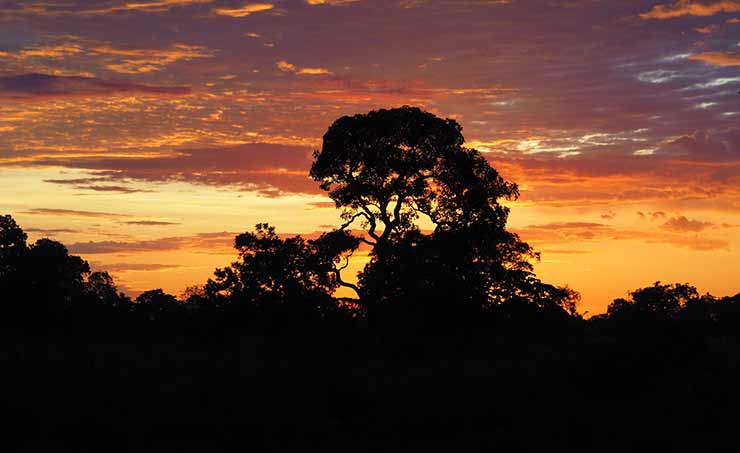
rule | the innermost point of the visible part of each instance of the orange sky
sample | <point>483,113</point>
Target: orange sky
<point>146,135</point>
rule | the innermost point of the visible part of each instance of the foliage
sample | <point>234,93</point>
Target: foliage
<point>389,169</point>
<point>659,302</point>
<point>275,269</point>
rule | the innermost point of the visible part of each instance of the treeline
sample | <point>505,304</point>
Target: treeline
<point>263,361</point>
<point>287,278</point>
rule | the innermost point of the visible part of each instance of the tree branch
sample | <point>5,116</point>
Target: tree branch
<point>371,218</point>
<point>338,273</point>
<point>349,222</point>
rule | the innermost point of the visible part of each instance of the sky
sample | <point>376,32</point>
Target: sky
<point>145,134</point>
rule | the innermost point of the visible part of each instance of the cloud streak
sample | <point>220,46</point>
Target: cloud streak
<point>36,87</point>
<point>243,11</point>
<point>691,8</point>
<point>74,213</point>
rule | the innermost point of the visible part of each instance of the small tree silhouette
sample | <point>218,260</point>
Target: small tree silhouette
<point>272,269</point>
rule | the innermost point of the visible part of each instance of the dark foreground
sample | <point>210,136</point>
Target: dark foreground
<point>165,387</point>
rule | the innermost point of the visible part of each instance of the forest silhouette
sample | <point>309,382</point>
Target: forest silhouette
<point>451,341</point>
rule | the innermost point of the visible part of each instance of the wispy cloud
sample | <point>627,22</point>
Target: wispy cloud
<point>51,9</point>
<point>29,87</point>
<point>691,8</point>
<point>718,58</point>
<point>683,224</point>
<point>245,10</point>
<point>150,223</point>
<point>74,213</point>
<point>288,67</point>
<point>220,242</point>
<point>140,60</point>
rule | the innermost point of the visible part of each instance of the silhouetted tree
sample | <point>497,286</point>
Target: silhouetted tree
<point>658,302</point>
<point>100,296</point>
<point>13,251</point>
<point>387,168</point>
<point>156,303</point>
<point>12,245</point>
<point>272,269</point>
<point>52,279</point>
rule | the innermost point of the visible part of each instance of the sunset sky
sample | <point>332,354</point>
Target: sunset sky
<point>145,134</point>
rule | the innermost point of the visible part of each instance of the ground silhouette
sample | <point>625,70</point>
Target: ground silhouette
<point>453,342</point>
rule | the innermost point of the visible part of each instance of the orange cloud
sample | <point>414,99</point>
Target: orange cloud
<point>313,71</point>
<point>558,233</point>
<point>162,5</point>
<point>150,60</point>
<point>708,29</point>
<point>682,223</point>
<point>245,10</point>
<point>123,60</point>
<point>689,8</point>
<point>74,213</point>
<point>285,66</point>
<point>51,51</point>
<point>214,243</point>
<point>718,58</point>
<point>288,67</point>
<point>330,2</point>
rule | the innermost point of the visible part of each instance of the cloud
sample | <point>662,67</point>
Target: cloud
<point>565,230</point>
<point>50,231</point>
<point>125,60</point>
<point>84,184</point>
<point>270,170</point>
<point>691,8</point>
<point>128,267</point>
<point>31,87</point>
<point>698,244</point>
<point>558,233</point>
<point>708,29</point>
<point>245,10</point>
<point>288,67</point>
<point>161,5</point>
<point>74,213</point>
<point>143,60</point>
<point>718,58</point>
<point>322,205</point>
<point>52,51</point>
<point>702,166</point>
<point>220,242</point>
<point>683,224</point>
<point>45,8</point>
<point>313,71</point>
<point>285,66</point>
<point>330,2</point>
<point>150,223</point>
<point>111,189</point>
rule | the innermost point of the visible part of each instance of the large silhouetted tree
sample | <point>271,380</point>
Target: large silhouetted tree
<point>390,170</point>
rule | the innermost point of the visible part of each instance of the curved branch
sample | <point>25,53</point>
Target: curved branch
<point>341,282</point>
<point>338,273</point>
<point>371,218</point>
<point>350,221</point>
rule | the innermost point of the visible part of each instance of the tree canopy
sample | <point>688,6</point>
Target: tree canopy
<point>391,171</point>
